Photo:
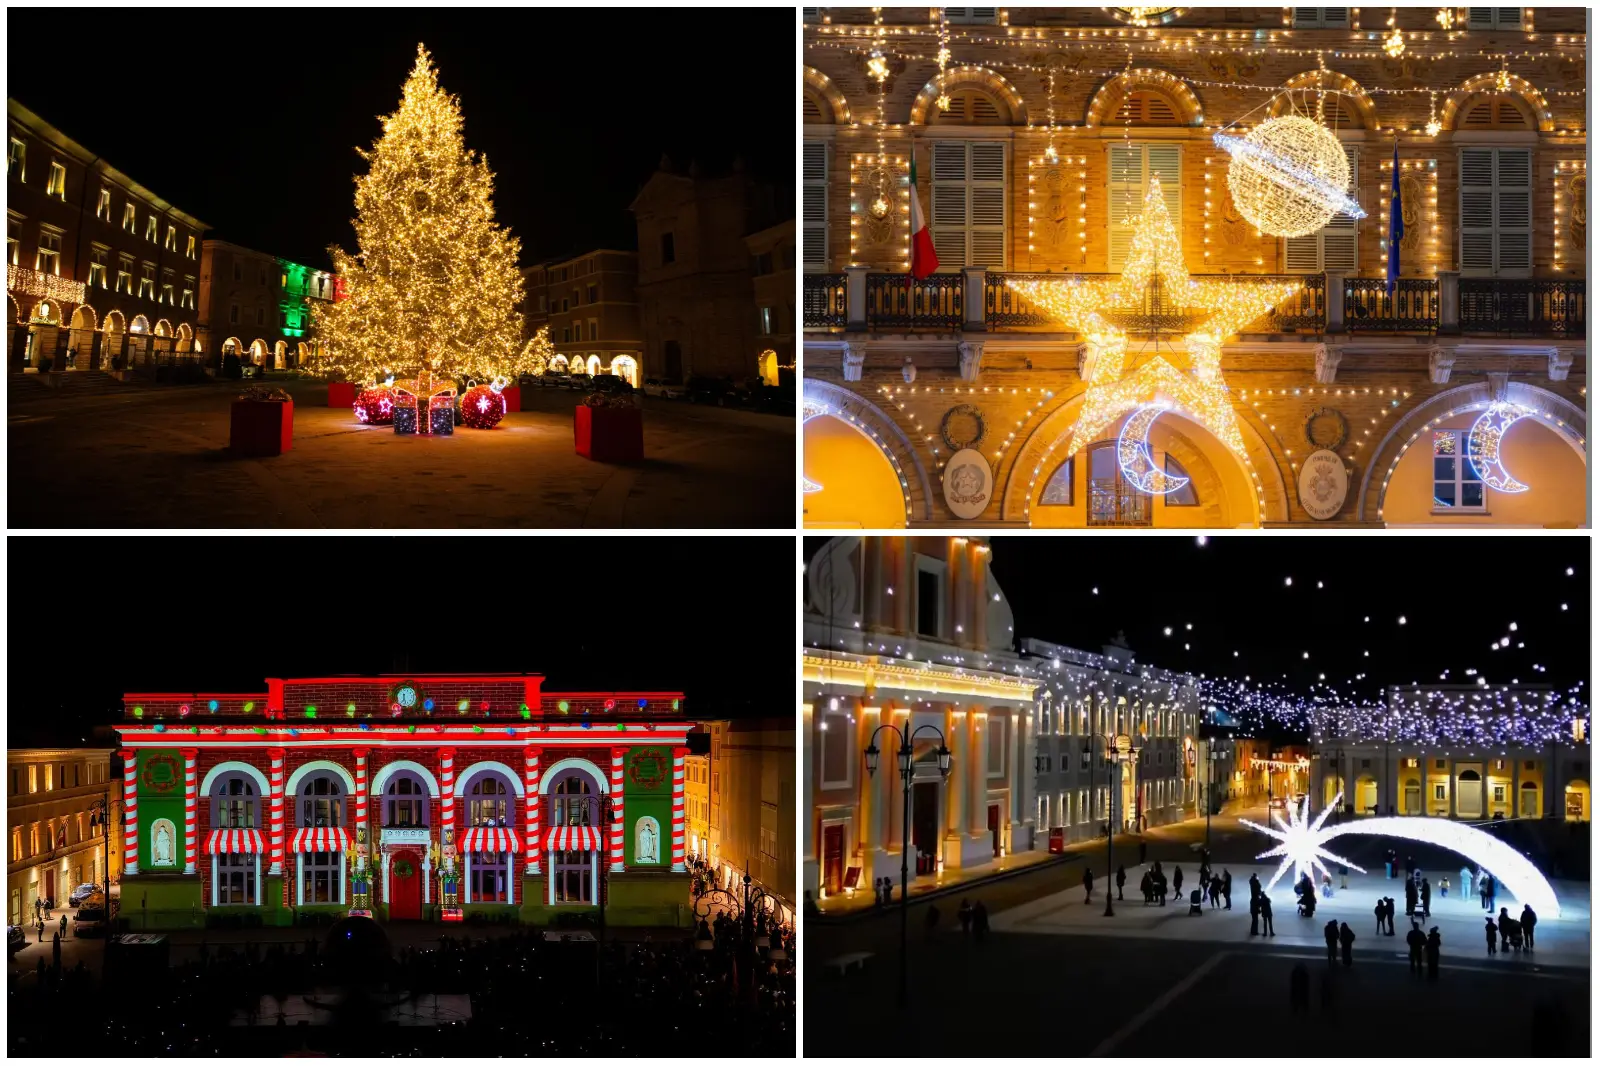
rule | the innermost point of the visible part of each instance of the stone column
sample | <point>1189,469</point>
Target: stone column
<point>275,804</point>
<point>616,807</point>
<point>677,809</point>
<point>1333,297</point>
<point>191,808</point>
<point>973,318</point>
<point>855,299</point>
<point>130,811</point>
<point>1449,302</point>
<point>361,801</point>
<point>447,802</point>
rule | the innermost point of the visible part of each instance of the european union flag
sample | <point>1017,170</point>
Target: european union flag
<point>1397,225</point>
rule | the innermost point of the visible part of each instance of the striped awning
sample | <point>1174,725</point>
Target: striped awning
<point>308,841</point>
<point>235,842</point>
<point>490,838</point>
<point>574,838</point>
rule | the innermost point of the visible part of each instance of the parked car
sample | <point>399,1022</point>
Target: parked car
<point>81,893</point>
<point>15,938</point>
<point>719,391</point>
<point>609,383</point>
<point>250,370</point>
<point>90,921</point>
<point>667,390</point>
<point>577,381</point>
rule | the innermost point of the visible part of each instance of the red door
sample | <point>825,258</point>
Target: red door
<point>832,858</point>
<point>50,886</point>
<point>994,827</point>
<point>405,886</point>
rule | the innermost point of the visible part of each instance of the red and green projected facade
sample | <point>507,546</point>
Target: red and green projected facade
<point>404,797</point>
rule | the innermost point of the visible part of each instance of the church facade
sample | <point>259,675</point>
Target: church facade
<point>435,798</point>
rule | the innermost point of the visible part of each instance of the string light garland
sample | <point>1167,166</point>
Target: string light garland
<point>434,282</point>
<point>943,100</point>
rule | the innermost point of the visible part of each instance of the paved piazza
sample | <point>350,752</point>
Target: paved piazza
<point>157,458</point>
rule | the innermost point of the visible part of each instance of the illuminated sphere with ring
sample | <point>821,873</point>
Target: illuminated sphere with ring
<point>1288,176</point>
<point>482,407</point>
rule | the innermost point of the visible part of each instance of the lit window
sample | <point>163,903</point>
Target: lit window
<point>102,207</point>
<point>166,294</point>
<point>14,241</point>
<point>97,267</point>
<point>1185,496</point>
<point>130,218</point>
<point>188,293</point>
<point>172,238</point>
<point>766,320</point>
<point>57,186</point>
<point>48,259</point>
<point>125,276</point>
<point>150,229</point>
<point>17,161</point>
<point>189,249</point>
<point>1578,731</point>
<point>1456,485</point>
<point>147,282</point>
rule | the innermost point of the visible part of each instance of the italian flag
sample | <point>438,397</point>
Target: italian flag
<point>923,259</point>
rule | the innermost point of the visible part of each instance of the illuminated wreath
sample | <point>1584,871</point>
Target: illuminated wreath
<point>160,782</point>
<point>1326,416</point>
<point>965,419</point>
<point>648,768</point>
<point>403,868</point>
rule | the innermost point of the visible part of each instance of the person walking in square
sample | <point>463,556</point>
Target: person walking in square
<point>1227,890</point>
<point>1347,939</point>
<point>1389,913</point>
<point>1088,884</point>
<point>1330,933</point>
<point>1266,916</point>
<point>1122,879</point>
<point>1426,894</point>
<point>1255,912</point>
<point>1416,940</point>
<point>63,925</point>
<point>1432,950</point>
<point>1467,884</point>
<point>1177,881</point>
<point>1380,911</point>
<point>1528,921</point>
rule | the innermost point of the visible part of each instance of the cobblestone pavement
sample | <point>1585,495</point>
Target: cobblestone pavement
<point>159,459</point>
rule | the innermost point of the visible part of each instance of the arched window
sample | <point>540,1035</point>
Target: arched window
<point>574,800</point>
<point>1058,490</point>
<point>405,803</point>
<point>575,804</point>
<point>487,805</point>
<point>233,802</point>
<point>1492,112</point>
<point>320,805</point>
<point>1470,775</point>
<point>1145,107</point>
<point>1184,497</point>
<point>970,107</point>
<point>1112,500</point>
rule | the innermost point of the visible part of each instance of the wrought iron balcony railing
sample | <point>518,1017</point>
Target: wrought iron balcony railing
<point>982,300</point>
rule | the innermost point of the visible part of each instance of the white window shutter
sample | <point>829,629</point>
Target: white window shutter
<point>1335,17</point>
<point>1477,210</point>
<point>1513,216</point>
<point>949,221</point>
<point>1131,168</point>
<point>1480,18</point>
<point>1508,18</point>
<point>1307,18</point>
<point>987,212</point>
<point>1303,255</point>
<point>814,207</point>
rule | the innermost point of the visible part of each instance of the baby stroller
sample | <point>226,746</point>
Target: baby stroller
<point>1516,937</point>
<point>1194,902</point>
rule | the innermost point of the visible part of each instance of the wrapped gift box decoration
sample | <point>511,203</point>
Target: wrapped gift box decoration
<point>405,415</point>
<point>513,397</point>
<point>442,416</point>
<point>341,394</point>
<point>259,428</point>
<point>609,434</point>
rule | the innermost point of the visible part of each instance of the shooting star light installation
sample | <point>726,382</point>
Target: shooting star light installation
<point>1301,842</point>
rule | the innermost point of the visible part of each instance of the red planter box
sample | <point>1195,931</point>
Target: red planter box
<point>513,397</point>
<point>261,427</point>
<point>610,434</point>
<point>342,394</point>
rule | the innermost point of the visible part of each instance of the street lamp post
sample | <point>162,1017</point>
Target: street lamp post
<point>905,735</point>
<point>1117,752</point>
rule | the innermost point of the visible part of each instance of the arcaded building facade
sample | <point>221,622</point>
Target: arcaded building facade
<point>1035,142</point>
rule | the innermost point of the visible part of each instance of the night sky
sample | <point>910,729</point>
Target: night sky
<point>1458,594</point>
<point>249,119</point>
<point>591,614</point>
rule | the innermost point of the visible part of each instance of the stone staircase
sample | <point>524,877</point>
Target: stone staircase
<point>73,383</point>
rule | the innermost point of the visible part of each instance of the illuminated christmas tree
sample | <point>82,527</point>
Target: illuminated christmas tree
<point>536,354</point>
<point>434,284</point>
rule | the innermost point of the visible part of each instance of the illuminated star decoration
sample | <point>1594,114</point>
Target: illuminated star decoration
<point>1154,295</point>
<point>1301,842</point>
<point>808,412</point>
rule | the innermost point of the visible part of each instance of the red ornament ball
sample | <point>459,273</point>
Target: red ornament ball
<point>482,407</point>
<point>375,406</point>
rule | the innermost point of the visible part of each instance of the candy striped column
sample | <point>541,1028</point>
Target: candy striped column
<point>447,801</point>
<point>530,819</point>
<point>275,781</point>
<point>677,807</point>
<point>361,794</point>
<point>191,809</point>
<point>130,812</point>
<point>616,809</point>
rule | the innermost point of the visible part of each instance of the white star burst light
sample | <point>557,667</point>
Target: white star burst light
<point>1301,843</point>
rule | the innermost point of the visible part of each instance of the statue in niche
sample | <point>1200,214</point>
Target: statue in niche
<point>647,847</point>
<point>161,844</point>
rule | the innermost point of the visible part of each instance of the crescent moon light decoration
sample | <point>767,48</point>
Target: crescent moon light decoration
<point>1133,453</point>
<point>1483,446</point>
<point>1301,843</point>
